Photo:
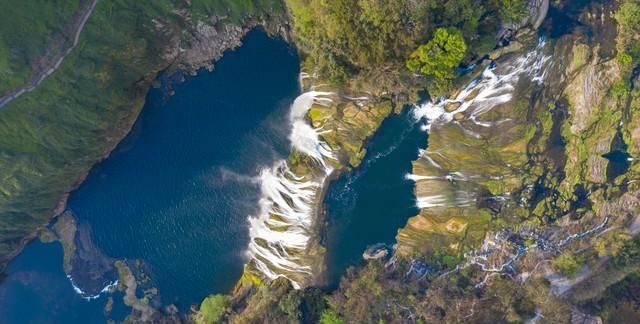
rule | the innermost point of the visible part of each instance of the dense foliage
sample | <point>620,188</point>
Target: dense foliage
<point>234,10</point>
<point>628,17</point>
<point>438,57</point>
<point>212,309</point>
<point>346,37</point>
<point>512,11</point>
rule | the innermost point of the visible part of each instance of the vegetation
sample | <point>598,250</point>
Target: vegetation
<point>52,136</point>
<point>234,10</point>
<point>512,11</point>
<point>569,264</point>
<point>629,254</point>
<point>330,317</point>
<point>628,18</point>
<point>620,303</point>
<point>438,57</point>
<point>24,39</point>
<point>212,309</point>
<point>348,38</point>
<point>345,36</point>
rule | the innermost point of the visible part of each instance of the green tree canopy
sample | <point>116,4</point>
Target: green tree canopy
<point>512,11</point>
<point>212,309</point>
<point>440,55</point>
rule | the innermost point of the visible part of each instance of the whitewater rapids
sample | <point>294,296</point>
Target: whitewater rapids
<point>281,231</point>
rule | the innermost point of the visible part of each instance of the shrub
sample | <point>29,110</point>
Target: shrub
<point>568,264</point>
<point>212,309</point>
<point>330,317</point>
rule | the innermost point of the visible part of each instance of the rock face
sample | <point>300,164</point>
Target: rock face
<point>209,40</point>
<point>589,85</point>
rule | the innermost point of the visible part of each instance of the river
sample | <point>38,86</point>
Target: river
<point>176,192</point>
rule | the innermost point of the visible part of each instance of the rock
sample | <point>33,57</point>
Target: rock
<point>588,88</point>
<point>376,252</point>
<point>514,46</point>
<point>578,317</point>
<point>451,106</point>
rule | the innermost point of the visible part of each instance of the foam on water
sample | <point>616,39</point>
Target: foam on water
<point>280,233</point>
<point>87,296</point>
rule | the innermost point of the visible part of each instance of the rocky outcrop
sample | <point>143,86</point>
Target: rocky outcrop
<point>589,86</point>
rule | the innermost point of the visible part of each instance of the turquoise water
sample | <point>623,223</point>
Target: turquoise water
<point>177,191</point>
<point>368,206</point>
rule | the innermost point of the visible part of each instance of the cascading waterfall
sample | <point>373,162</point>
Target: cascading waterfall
<point>478,97</point>
<point>486,92</point>
<point>280,233</point>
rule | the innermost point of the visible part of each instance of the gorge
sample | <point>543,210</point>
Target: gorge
<point>355,161</point>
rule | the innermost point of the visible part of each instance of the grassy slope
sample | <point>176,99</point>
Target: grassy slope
<point>51,137</point>
<point>27,28</point>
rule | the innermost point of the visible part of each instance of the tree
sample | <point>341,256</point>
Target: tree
<point>568,264</point>
<point>628,16</point>
<point>438,57</point>
<point>512,11</point>
<point>212,309</point>
<point>330,317</point>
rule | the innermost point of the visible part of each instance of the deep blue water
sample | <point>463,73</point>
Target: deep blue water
<point>177,191</point>
<point>36,290</point>
<point>368,206</point>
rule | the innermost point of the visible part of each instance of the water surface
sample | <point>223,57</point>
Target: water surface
<point>369,205</point>
<point>176,192</point>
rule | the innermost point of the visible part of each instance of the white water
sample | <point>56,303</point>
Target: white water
<point>87,297</point>
<point>485,92</point>
<point>478,97</point>
<point>281,231</point>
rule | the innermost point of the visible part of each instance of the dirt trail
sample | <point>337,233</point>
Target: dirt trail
<point>55,63</point>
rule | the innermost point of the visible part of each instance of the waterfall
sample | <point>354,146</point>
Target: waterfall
<point>440,187</point>
<point>281,231</point>
<point>486,91</point>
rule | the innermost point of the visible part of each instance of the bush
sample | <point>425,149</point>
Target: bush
<point>568,264</point>
<point>212,309</point>
<point>330,317</point>
<point>438,57</point>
